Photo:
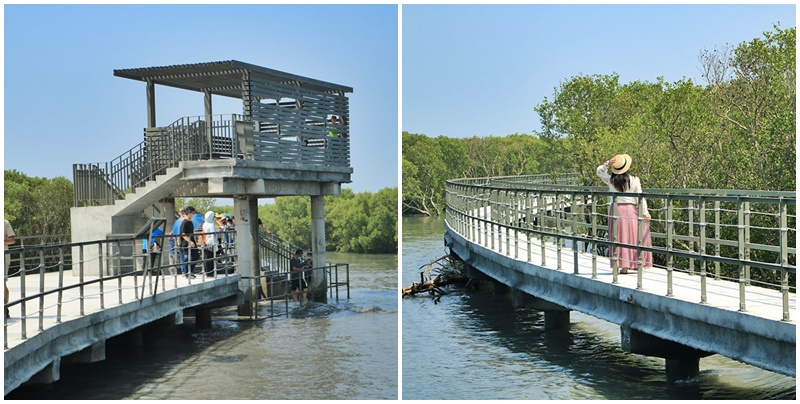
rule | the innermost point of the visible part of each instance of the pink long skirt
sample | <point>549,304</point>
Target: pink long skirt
<point>629,234</point>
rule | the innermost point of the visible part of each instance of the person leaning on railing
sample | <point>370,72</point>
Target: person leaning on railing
<point>621,181</point>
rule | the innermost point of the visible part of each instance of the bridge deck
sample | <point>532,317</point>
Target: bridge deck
<point>723,294</point>
<point>129,290</point>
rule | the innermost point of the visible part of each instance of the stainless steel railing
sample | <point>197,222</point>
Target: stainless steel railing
<point>747,237</point>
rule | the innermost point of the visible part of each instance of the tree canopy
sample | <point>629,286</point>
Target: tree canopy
<point>738,131</point>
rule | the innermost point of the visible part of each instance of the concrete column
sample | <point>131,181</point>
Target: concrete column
<point>246,213</point>
<point>151,104</point>
<point>93,353</point>
<point>682,369</point>
<point>209,118</point>
<point>555,317</point>
<point>50,374</point>
<point>319,278</point>
<point>681,361</point>
<point>202,318</point>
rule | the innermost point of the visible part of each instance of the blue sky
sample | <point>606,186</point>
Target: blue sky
<point>63,105</point>
<point>479,70</point>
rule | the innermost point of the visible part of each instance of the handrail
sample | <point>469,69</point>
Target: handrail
<point>121,266</point>
<point>720,233</point>
<point>184,139</point>
<point>289,140</point>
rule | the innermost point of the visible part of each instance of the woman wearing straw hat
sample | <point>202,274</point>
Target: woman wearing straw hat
<point>628,232</point>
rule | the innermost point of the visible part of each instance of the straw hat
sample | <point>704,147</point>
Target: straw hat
<point>622,162</point>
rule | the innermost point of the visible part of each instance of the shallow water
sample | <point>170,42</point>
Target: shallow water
<point>477,346</point>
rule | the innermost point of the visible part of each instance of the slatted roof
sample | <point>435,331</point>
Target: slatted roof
<point>221,78</point>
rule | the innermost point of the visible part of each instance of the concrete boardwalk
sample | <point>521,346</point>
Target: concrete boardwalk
<point>51,331</point>
<point>722,294</point>
<point>41,314</point>
<point>756,336</point>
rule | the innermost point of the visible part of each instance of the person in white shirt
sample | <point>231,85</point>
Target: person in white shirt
<point>627,213</point>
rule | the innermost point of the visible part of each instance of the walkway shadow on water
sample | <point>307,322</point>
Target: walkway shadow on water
<point>587,355</point>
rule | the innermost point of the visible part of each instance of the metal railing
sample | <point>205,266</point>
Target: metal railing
<point>119,269</point>
<point>115,273</point>
<point>195,138</point>
<point>747,237</point>
<point>275,276</point>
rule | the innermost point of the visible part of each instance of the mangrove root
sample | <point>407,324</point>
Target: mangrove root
<point>439,273</point>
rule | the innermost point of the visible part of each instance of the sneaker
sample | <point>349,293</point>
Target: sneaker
<point>190,276</point>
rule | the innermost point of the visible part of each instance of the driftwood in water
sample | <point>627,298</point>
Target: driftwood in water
<point>447,272</point>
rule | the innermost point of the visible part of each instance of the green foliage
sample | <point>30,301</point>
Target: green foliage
<point>201,205</point>
<point>738,132</point>
<point>36,205</point>
<point>361,223</point>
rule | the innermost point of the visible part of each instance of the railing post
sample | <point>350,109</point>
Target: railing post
<point>493,212</point>
<point>784,229</point>
<point>80,279</point>
<point>669,243</point>
<point>60,282</point>
<point>702,223</point>
<point>639,241</point>
<point>42,271</point>
<point>614,251</point>
<point>22,291</point>
<point>742,242</point>
<point>692,243</point>
<point>594,236</point>
<point>747,241</point>
<point>514,222</point>
<point>100,270</point>
<point>574,232</point>
<point>528,222</point>
<point>718,237</point>
<point>558,210</point>
<point>542,206</point>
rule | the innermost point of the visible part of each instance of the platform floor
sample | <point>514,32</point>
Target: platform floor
<point>723,294</point>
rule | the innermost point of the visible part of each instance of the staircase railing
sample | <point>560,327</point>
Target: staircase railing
<point>183,140</point>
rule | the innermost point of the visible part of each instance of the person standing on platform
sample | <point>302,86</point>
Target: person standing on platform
<point>188,247</point>
<point>627,213</point>
<point>296,265</point>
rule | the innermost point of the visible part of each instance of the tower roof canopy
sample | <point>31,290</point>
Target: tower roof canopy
<point>222,78</point>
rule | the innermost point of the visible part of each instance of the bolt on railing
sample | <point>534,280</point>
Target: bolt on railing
<point>721,233</point>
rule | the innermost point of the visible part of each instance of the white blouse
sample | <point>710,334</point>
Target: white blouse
<point>635,188</point>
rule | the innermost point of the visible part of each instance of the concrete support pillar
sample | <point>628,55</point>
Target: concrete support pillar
<point>135,338</point>
<point>50,374</point>
<point>682,369</point>
<point>209,119</point>
<point>319,278</point>
<point>555,317</point>
<point>93,353</point>
<point>202,318</point>
<point>682,362</point>
<point>178,316</point>
<point>246,208</point>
